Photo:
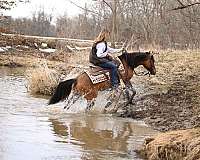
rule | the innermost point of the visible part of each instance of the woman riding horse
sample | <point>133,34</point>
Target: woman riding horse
<point>83,86</point>
<point>99,56</point>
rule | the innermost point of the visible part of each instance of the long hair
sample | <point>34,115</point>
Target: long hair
<point>101,36</point>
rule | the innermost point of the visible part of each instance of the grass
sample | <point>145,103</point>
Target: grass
<point>174,145</point>
<point>42,80</point>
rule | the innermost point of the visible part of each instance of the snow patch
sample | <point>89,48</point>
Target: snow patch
<point>1,49</point>
<point>48,50</point>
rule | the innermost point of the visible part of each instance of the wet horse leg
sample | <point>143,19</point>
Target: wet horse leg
<point>113,100</point>
<point>71,100</point>
<point>90,104</point>
<point>90,97</point>
<point>129,93</point>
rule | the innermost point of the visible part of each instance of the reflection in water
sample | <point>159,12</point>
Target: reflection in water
<point>30,129</point>
<point>102,136</point>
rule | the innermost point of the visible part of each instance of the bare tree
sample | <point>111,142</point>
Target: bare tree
<point>145,22</point>
<point>183,6</point>
<point>7,4</point>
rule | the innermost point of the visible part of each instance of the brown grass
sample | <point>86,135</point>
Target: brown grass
<point>42,80</point>
<point>174,145</point>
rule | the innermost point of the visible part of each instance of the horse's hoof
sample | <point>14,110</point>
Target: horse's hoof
<point>104,111</point>
<point>87,109</point>
<point>108,104</point>
<point>67,107</point>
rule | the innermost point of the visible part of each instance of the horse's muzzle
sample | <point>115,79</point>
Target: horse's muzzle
<point>153,72</point>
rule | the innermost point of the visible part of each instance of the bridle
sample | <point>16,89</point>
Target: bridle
<point>140,74</point>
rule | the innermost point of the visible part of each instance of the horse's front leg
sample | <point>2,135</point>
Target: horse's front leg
<point>113,101</point>
<point>129,93</point>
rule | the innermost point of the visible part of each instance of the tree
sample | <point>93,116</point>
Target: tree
<point>113,8</point>
<point>183,6</point>
<point>6,4</point>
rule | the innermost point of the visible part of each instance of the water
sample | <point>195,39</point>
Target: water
<point>32,130</point>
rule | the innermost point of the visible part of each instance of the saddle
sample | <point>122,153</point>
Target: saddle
<point>98,74</point>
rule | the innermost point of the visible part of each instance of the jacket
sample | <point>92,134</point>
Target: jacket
<point>93,56</point>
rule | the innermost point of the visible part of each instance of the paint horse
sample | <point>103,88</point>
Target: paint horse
<point>83,86</point>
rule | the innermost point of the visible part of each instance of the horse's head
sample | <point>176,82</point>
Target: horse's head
<point>148,63</point>
<point>135,59</point>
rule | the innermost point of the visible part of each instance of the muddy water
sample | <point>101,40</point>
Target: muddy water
<point>31,130</point>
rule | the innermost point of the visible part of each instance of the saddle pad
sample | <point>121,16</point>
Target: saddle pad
<point>97,76</point>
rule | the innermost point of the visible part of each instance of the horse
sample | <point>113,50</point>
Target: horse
<point>83,86</point>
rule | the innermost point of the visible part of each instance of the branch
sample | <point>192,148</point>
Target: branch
<point>83,8</point>
<point>185,6</point>
<point>5,5</point>
<point>108,5</point>
<point>180,2</point>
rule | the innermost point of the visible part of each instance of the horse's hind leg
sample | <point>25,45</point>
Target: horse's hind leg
<point>90,104</point>
<point>90,97</point>
<point>71,100</point>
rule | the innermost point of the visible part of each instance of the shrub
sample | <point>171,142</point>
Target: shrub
<point>42,80</point>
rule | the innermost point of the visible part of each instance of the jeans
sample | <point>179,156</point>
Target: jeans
<point>114,75</point>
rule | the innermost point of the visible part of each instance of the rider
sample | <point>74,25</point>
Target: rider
<point>100,56</point>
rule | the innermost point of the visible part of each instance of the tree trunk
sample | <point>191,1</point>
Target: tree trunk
<point>114,24</point>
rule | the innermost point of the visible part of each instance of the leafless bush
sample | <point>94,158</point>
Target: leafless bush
<point>42,80</point>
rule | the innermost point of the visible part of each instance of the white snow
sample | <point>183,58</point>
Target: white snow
<point>1,49</point>
<point>48,50</point>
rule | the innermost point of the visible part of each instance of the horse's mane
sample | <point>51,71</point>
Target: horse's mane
<point>133,59</point>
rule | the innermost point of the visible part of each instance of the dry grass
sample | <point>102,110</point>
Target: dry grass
<point>42,80</point>
<point>174,145</point>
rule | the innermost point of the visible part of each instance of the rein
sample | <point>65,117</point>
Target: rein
<point>142,73</point>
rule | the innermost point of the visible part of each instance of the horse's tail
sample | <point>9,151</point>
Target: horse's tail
<point>62,91</point>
